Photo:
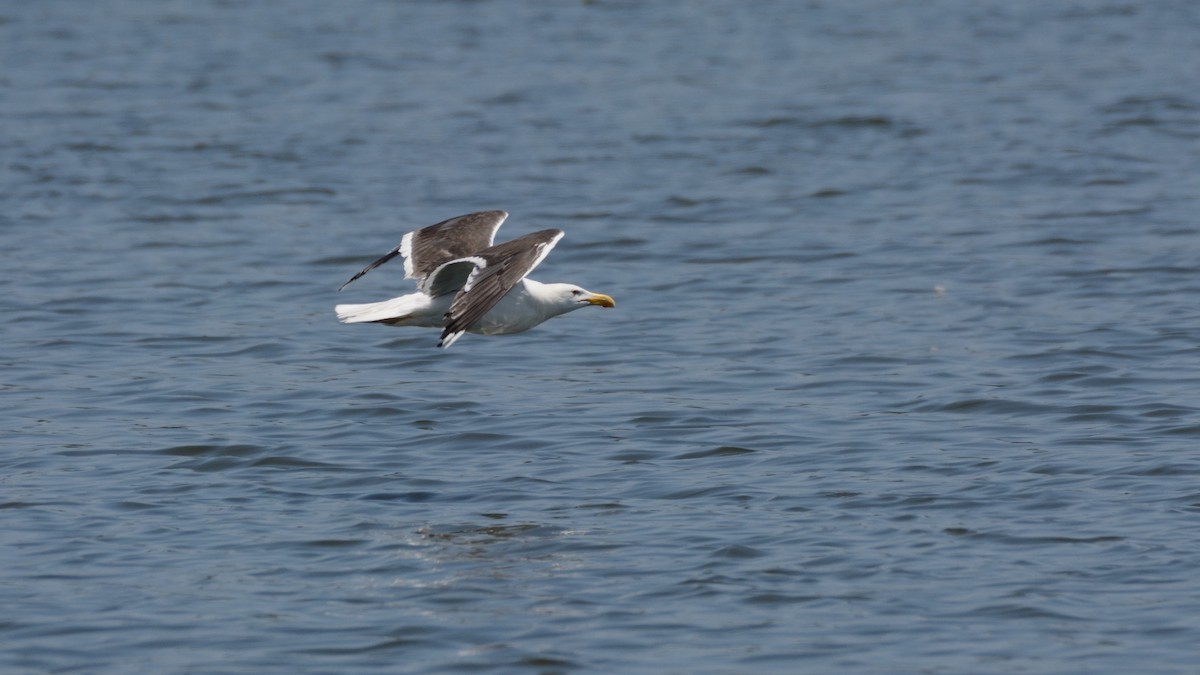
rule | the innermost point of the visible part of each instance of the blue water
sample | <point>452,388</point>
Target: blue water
<point>902,376</point>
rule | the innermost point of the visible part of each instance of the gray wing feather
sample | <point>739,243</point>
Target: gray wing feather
<point>506,264</point>
<point>459,237</point>
<point>429,248</point>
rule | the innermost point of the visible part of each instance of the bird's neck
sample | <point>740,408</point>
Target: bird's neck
<point>540,293</point>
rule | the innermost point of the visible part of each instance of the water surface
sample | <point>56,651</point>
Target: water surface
<point>902,376</point>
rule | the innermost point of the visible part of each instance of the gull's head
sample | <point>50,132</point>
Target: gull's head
<point>571,297</point>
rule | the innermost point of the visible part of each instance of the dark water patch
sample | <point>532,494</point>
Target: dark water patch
<point>294,196</point>
<point>205,450</point>
<point>216,464</point>
<point>603,506</point>
<point>1171,115</point>
<point>379,411</point>
<point>1083,215</point>
<point>855,121</point>
<point>869,360</point>
<point>738,552</point>
<point>1061,354</point>
<point>1156,270</point>
<point>175,340</point>
<point>1019,540</point>
<point>1190,430</point>
<point>826,193</point>
<point>994,406</point>
<point>547,664</point>
<point>22,505</point>
<point>1169,469</point>
<point>336,543</point>
<point>1064,376</point>
<point>1056,469</point>
<point>272,349</point>
<point>750,171</point>
<point>1020,613</point>
<point>696,493</point>
<point>92,147</point>
<point>481,441</point>
<point>1094,418</point>
<point>417,496</point>
<point>1162,410</point>
<point>723,451</point>
<point>135,506</point>
<point>634,456</point>
<point>1166,102</point>
<point>1102,439</point>
<point>851,383</point>
<point>781,599</point>
<point>487,533</point>
<point>283,462</point>
<point>947,470</point>
<point>687,202</point>
<point>841,122</point>
<point>404,642</point>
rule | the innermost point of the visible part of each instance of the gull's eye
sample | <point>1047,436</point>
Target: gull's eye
<point>576,293</point>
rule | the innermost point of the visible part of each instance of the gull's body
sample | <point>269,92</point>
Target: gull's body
<point>525,306</point>
<point>467,284</point>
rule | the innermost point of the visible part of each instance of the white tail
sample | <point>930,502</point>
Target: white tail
<point>413,310</point>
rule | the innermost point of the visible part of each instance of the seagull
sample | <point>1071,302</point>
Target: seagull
<point>467,284</point>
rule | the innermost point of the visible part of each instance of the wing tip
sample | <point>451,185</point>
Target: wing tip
<point>449,338</point>
<point>350,281</point>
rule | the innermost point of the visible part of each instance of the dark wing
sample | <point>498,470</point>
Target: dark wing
<point>426,249</point>
<point>504,265</point>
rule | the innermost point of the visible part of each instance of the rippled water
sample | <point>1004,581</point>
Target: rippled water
<point>902,377</point>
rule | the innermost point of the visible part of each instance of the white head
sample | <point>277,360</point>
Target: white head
<point>569,297</point>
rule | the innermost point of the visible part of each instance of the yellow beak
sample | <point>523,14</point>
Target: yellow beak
<point>601,299</point>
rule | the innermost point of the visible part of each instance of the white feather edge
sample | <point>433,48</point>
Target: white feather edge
<point>496,228</point>
<point>546,247</point>
<point>406,253</point>
<point>470,282</point>
<point>450,339</point>
<point>479,263</point>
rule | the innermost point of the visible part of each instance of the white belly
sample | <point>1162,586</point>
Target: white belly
<point>516,312</point>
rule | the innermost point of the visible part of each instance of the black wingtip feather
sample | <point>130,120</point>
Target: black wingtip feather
<point>391,254</point>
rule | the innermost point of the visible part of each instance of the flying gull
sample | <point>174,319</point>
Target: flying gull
<point>467,284</point>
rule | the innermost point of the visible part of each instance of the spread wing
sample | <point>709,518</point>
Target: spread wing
<point>429,248</point>
<point>451,276</point>
<point>497,270</point>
